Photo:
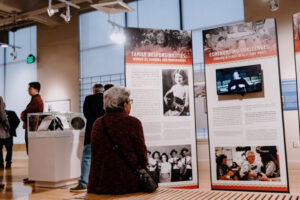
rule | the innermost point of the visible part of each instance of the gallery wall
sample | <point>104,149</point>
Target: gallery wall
<point>256,10</point>
<point>54,69</point>
<point>58,62</point>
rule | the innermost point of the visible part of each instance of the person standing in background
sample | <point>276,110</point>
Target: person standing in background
<point>4,130</point>
<point>13,123</point>
<point>92,109</point>
<point>108,85</point>
<point>36,105</point>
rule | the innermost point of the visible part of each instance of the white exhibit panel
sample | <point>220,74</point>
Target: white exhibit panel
<point>159,73</point>
<point>296,23</point>
<point>246,135</point>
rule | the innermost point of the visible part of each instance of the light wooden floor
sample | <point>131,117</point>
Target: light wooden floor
<point>15,189</point>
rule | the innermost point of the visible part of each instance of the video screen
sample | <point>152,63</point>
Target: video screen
<point>239,80</point>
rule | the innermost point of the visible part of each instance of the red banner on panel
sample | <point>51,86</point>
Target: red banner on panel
<point>240,42</point>
<point>148,46</point>
<point>250,188</point>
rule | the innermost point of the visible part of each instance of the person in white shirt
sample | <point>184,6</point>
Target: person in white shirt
<point>165,169</point>
<point>177,98</point>
<point>251,169</point>
<point>185,165</point>
<point>175,173</point>
<point>153,165</point>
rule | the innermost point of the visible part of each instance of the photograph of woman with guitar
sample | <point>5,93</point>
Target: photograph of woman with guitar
<point>176,98</point>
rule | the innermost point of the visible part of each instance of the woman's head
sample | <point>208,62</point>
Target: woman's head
<point>156,155</point>
<point>180,76</point>
<point>173,153</point>
<point>160,38</point>
<point>222,159</point>
<point>234,164</point>
<point>117,99</point>
<point>164,157</point>
<point>184,152</point>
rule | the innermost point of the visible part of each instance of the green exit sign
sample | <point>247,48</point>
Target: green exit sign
<point>30,59</point>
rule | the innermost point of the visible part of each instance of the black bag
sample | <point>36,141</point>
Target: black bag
<point>146,181</point>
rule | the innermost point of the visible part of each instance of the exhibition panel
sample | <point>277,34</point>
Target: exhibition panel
<point>159,73</point>
<point>246,133</point>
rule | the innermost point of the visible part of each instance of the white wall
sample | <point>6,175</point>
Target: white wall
<point>18,74</point>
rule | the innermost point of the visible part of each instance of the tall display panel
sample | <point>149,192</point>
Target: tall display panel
<point>159,73</point>
<point>246,133</point>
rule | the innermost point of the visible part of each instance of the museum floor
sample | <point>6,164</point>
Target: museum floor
<point>15,189</point>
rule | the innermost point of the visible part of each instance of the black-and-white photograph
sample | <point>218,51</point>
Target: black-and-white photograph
<point>175,92</point>
<point>240,36</point>
<point>170,163</point>
<point>239,80</point>
<point>176,40</point>
<point>247,163</point>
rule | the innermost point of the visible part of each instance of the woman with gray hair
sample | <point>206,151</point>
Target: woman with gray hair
<point>109,174</point>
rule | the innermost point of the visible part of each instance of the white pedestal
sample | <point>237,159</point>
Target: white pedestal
<point>55,157</point>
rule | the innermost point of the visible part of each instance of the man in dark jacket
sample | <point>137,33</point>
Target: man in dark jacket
<point>13,125</point>
<point>92,109</point>
<point>36,105</point>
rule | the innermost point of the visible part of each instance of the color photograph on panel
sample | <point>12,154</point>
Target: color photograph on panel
<point>245,120</point>
<point>159,73</point>
<point>256,163</point>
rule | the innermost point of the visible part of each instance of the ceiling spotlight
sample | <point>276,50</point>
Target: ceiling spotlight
<point>4,45</point>
<point>50,10</point>
<point>117,34</point>
<point>67,16</point>
<point>274,5</point>
<point>118,37</point>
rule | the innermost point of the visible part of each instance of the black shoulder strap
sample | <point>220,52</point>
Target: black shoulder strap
<point>116,148</point>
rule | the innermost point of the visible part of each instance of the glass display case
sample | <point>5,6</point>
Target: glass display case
<point>55,121</point>
<point>55,143</point>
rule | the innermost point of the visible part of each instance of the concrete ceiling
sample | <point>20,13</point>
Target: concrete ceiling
<point>21,13</point>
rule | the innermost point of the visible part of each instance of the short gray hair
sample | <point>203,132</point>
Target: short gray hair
<point>248,153</point>
<point>115,97</point>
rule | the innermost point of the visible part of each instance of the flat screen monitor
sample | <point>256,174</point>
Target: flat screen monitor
<point>239,80</point>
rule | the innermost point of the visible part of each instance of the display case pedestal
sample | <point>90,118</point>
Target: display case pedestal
<point>54,157</point>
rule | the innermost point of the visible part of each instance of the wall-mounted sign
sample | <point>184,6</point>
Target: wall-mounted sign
<point>30,59</point>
